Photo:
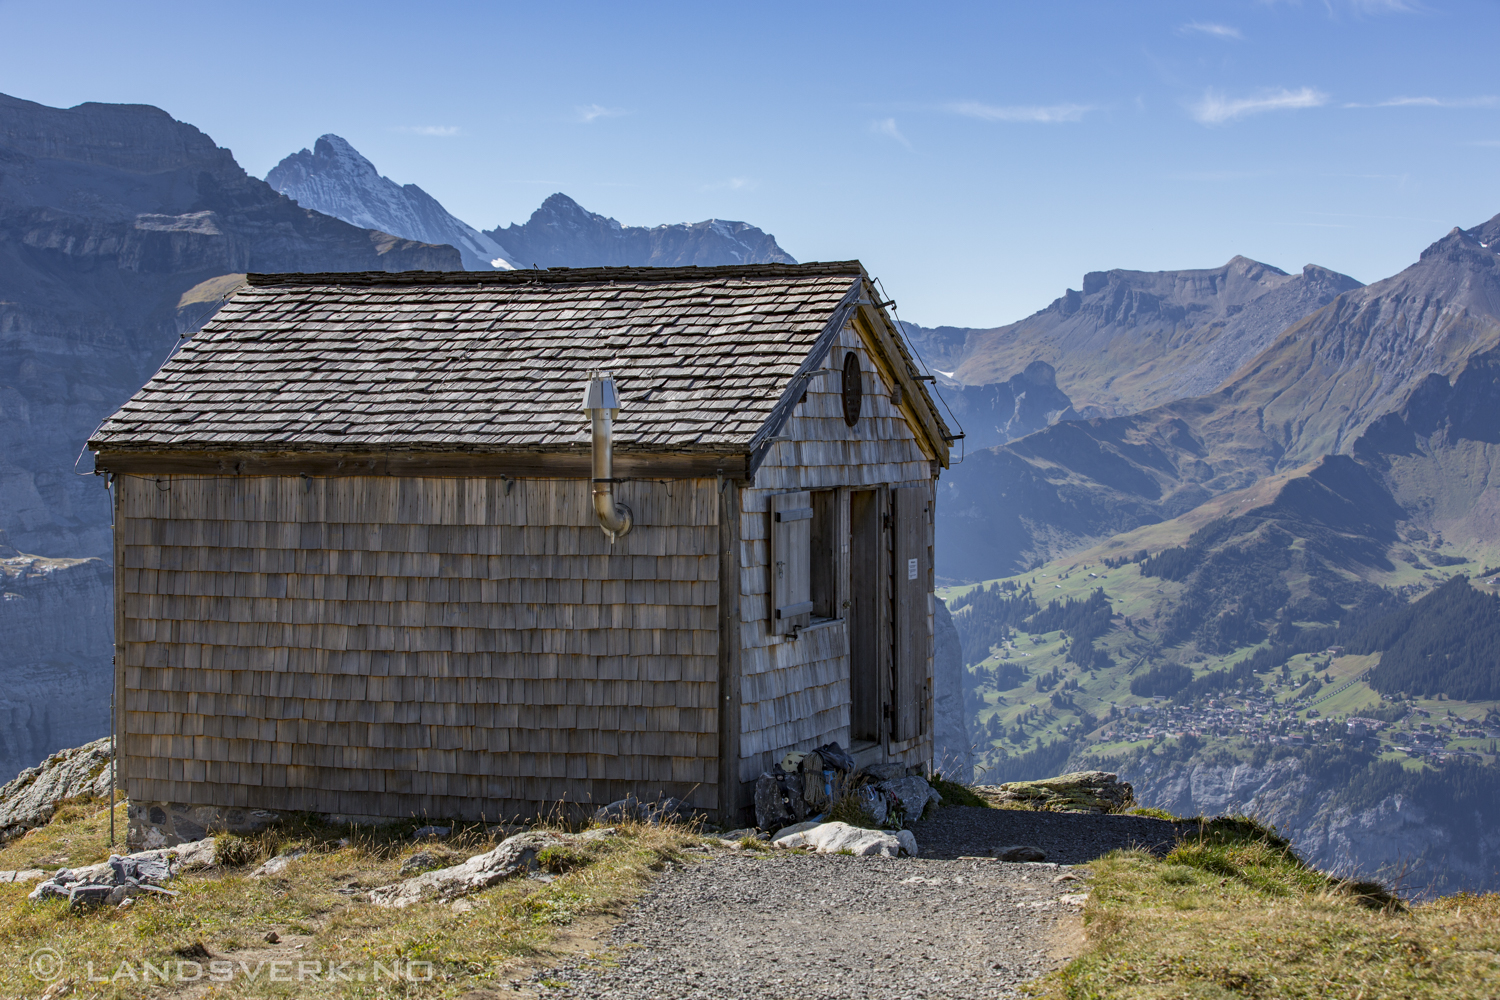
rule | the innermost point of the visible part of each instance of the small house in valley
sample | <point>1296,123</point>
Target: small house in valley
<point>478,545</point>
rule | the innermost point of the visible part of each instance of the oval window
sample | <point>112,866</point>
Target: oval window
<point>854,388</point>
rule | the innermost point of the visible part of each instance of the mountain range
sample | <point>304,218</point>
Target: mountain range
<point>335,179</point>
<point>1315,390</point>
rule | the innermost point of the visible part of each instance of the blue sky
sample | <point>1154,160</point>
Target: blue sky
<point>979,158</point>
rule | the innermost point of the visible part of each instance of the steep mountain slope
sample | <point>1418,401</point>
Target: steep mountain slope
<point>1131,340</point>
<point>333,178</point>
<point>1314,391</point>
<point>1004,411</point>
<point>120,229</point>
<point>563,233</point>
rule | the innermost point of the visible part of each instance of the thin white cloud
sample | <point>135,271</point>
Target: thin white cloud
<point>1488,101</point>
<point>1487,143</point>
<point>887,127</point>
<point>1381,6</point>
<point>1359,6</point>
<point>1216,30</point>
<point>438,130</point>
<point>1049,113</point>
<point>1216,109</point>
<point>590,113</point>
<point>732,184</point>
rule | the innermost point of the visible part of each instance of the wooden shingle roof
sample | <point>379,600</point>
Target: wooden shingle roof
<point>488,363</point>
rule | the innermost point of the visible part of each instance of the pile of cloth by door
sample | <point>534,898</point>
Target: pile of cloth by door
<point>821,788</point>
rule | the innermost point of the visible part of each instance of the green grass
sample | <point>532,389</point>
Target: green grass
<point>956,794</point>
<point>227,914</point>
<point>1232,912</point>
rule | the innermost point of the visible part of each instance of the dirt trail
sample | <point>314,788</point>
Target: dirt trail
<point>826,927</point>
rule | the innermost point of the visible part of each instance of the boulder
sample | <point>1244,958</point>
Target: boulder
<point>1020,852</point>
<point>84,896</point>
<point>515,855</point>
<point>835,838</point>
<point>279,864</point>
<point>29,799</point>
<point>1080,792</point>
<point>913,793</point>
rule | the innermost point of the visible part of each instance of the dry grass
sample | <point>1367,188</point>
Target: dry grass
<point>1232,913</point>
<point>224,915</point>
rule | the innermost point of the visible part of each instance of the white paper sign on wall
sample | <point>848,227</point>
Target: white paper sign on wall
<point>911,569</point>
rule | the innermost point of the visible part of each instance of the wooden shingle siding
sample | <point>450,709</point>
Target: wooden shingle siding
<point>794,693</point>
<point>382,646</point>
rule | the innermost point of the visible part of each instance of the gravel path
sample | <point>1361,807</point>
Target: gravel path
<point>753,926</point>
<point>825,927</point>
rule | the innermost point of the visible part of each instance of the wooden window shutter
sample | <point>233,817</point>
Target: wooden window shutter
<point>912,572</point>
<point>791,570</point>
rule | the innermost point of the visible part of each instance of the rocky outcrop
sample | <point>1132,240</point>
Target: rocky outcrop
<point>1079,792</point>
<point>562,233</point>
<point>333,178</point>
<point>514,856</point>
<point>31,797</point>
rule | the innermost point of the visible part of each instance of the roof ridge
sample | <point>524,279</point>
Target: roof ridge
<point>560,275</point>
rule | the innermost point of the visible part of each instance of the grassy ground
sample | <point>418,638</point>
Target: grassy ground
<point>223,915</point>
<point>1232,913</point>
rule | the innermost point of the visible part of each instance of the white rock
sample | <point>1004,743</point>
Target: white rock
<point>833,838</point>
<point>514,855</point>
<point>278,864</point>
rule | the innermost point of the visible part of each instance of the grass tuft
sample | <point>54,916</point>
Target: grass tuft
<point>1152,812</point>
<point>955,794</point>
<point>1232,911</point>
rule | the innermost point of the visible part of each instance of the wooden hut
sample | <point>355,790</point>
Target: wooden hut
<point>359,568</point>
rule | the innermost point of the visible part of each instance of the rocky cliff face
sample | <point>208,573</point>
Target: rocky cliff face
<point>333,178</point>
<point>562,233</point>
<point>1001,412</point>
<point>1392,838</point>
<point>951,753</point>
<point>55,650</point>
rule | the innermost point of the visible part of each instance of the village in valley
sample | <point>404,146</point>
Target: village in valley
<point>1028,698</point>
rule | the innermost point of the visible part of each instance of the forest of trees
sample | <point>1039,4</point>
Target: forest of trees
<point>1084,621</point>
<point>993,613</point>
<point>1446,643</point>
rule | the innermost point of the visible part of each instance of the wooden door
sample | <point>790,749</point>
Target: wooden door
<point>911,573</point>
<point>868,599</point>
